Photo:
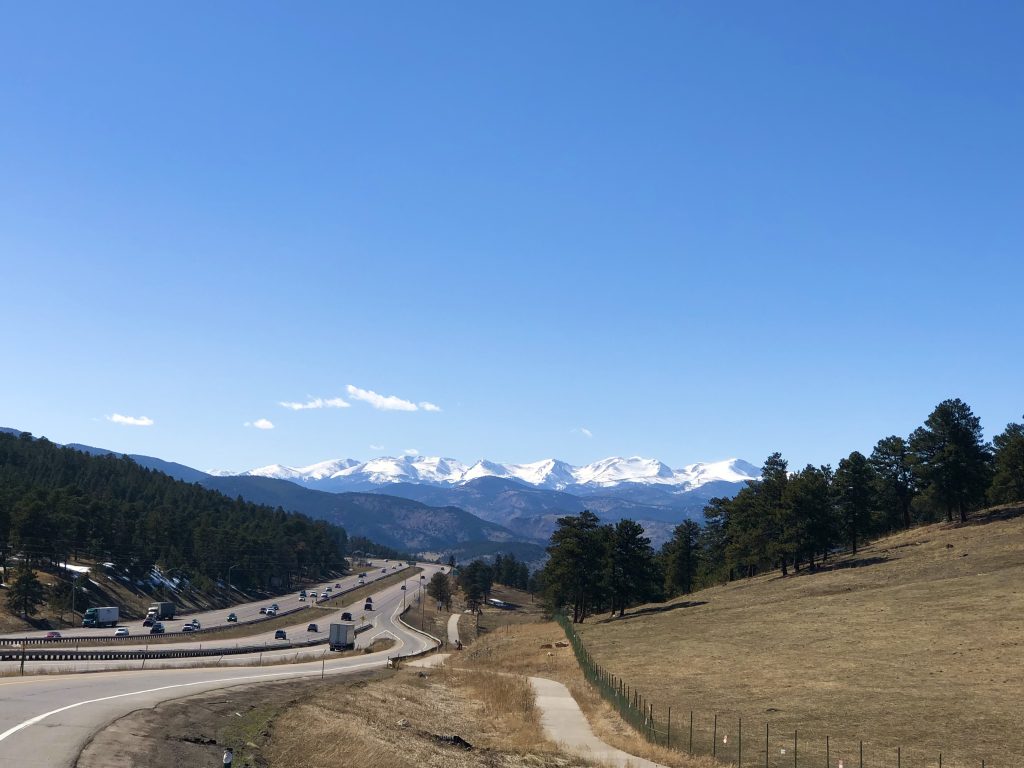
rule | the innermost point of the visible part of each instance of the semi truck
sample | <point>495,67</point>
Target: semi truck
<point>343,637</point>
<point>160,611</point>
<point>101,617</point>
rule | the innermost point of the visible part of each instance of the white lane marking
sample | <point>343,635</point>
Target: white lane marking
<point>38,718</point>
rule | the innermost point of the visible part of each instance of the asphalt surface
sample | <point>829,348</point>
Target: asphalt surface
<point>45,720</point>
<point>243,611</point>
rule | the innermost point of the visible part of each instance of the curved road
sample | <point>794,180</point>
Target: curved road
<point>45,720</point>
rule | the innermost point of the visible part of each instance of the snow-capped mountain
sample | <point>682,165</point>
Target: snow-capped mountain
<point>550,474</point>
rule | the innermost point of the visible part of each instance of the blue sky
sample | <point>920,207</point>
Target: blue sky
<point>693,230</point>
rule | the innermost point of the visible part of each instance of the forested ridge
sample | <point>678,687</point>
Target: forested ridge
<point>790,520</point>
<point>58,503</point>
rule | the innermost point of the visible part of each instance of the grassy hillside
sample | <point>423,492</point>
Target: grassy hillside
<point>916,642</point>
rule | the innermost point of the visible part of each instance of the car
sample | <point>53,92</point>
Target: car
<point>195,624</point>
<point>329,589</point>
<point>53,635</point>
<point>275,606</point>
<point>156,629</point>
<point>302,593</point>
<point>312,628</point>
<point>121,632</point>
<point>232,618</point>
<point>337,586</point>
<point>149,622</point>
<point>403,587</point>
<point>188,628</point>
<point>368,607</point>
<point>302,598</point>
<point>422,577</point>
<point>271,611</point>
<point>346,616</point>
<point>263,610</point>
<point>280,635</point>
<point>383,570</point>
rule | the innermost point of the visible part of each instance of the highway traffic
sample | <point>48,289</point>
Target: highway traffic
<point>45,719</point>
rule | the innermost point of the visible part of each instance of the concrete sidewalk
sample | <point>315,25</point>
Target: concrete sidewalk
<point>564,723</point>
<point>453,629</point>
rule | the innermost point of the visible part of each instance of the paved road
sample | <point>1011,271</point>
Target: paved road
<point>385,600</point>
<point>453,629</point>
<point>565,724</point>
<point>46,720</point>
<point>378,569</point>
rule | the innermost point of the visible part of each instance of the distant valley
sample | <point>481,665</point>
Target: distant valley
<point>437,505</point>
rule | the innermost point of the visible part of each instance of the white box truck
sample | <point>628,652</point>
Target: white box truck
<point>101,617</point>
<point>343,637</point>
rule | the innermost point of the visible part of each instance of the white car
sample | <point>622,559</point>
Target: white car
<point>121,632</point>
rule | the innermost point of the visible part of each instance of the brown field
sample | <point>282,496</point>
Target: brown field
<point>916,643</point>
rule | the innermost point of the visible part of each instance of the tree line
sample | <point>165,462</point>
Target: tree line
<point>790,519</point>
<point>57,503</point>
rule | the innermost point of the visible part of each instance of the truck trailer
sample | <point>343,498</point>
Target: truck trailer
<point>101,617</point>
<point>161,611</point>
<point>343,637</point>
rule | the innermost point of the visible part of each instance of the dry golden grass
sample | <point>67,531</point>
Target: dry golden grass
<point>529,650</point>
<point>916,642</point>
<point>391,724</point>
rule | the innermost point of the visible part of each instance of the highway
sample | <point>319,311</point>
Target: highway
<point>244,611</point>
<point>45,720</point>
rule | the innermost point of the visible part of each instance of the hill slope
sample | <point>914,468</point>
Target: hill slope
<point>917,642</point>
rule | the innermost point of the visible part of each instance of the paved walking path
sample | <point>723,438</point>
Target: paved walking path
<point>564,723</point>
<point>453,629</point>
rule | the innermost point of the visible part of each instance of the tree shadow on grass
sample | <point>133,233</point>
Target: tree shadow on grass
<point>840,565</point>
<point>653,609</point>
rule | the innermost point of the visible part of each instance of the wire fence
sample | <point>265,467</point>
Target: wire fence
<point>733,741</point>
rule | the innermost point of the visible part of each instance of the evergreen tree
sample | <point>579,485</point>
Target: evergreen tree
<point>894,482</point>
<point>630,565</point>
<point>682,557</point>
<point>1008,478</point>
<point>26,594</point>
<point>854,486</point>
<point>809,498</point>
<point>440,588</point>
<point>951,459</point>
<point>574,572</point>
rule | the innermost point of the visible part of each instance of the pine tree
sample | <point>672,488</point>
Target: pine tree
<point>574,572</point>
<point>854,484</point>
<point>1008,478</point>
<point>440,588</point>
<point>894,482</point>
<point>951,459</point>
<point>26,594</point>
<point>682,557</point>
<point>630,565</point>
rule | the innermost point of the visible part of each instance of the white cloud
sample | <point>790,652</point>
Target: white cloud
<point>260,424</point>
<point>411,452</point>
<point>314,403</point>
<point>130,421</point>
<point>380,402</point>
<point>586,432</point>
<point>376,447</point>
<point>430,407</point>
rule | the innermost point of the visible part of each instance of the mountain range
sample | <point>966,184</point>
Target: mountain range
<point>436,506</point>
<point>549,474</point>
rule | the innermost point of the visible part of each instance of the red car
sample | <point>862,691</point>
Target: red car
<point>53,635</point>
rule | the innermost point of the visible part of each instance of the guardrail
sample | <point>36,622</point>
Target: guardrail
<point>59,654</point>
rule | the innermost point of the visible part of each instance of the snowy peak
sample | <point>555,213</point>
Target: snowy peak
<point>613,471</point>
<point>552,474</point>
